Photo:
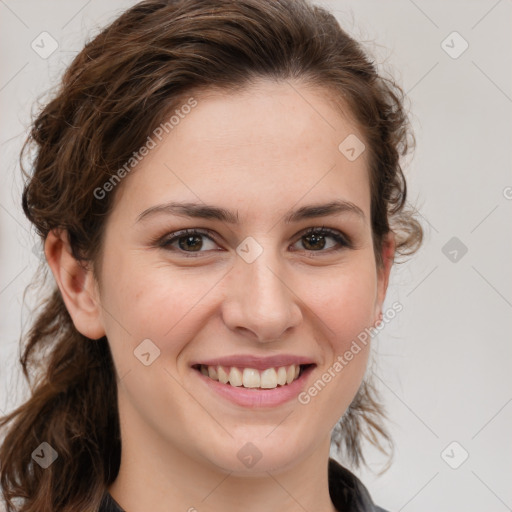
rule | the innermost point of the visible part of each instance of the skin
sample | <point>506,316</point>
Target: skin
<point>263,152</point>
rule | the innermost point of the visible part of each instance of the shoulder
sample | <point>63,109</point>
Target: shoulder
<point>348,492</point>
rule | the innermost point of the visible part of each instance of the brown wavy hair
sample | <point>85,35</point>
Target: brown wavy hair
<point>116,91</point>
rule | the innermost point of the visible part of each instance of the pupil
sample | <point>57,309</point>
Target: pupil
<point>315,238</point>
<point>190,239</point>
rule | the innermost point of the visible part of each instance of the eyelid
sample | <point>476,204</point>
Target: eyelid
<point>163,241</point>
<point>332,232</point>
<point>343,240</point>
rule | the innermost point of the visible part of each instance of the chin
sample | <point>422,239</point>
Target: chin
<point>258,456</point>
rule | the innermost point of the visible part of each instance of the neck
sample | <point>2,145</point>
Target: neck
<point>158,477</point>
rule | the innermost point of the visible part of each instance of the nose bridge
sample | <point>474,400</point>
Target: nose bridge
<point>259,298</point>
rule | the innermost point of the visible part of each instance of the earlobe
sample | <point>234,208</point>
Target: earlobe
<point>76,284</point>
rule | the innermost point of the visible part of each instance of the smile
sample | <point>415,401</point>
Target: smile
<point>269,378</point>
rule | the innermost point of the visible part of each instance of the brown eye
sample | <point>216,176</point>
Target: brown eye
<point>192,242</point>
<point>186,241</point>
<point>316,240</point>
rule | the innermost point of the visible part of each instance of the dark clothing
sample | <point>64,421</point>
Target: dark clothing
<point>348,494</point>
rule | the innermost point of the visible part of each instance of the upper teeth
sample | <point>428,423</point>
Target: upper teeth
<point>251,378</point>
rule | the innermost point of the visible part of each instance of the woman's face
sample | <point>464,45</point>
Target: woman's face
<point>248,291</point>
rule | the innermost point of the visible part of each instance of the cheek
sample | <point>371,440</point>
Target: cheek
<point>347,312</point>
<point>154,309</point>
<point>141,302</point>
<point>345,302</point>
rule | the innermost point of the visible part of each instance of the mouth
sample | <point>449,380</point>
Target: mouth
<point>252,378</point>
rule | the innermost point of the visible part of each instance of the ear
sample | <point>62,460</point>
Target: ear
<point>77,285</point>
<point>387,256</point>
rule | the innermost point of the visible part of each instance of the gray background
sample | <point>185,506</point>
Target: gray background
<point>444,362</point>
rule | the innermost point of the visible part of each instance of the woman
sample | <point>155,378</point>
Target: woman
<point>218,188</point>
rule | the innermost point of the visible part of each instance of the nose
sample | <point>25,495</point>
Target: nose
<point>260,301</point>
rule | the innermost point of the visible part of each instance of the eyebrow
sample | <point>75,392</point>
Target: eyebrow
<point>210,212</point>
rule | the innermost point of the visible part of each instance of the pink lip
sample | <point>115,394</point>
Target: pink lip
<point>256,362</point>
<point>255,398</point>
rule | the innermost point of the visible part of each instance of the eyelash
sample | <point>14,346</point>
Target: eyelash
<point>342,240</point>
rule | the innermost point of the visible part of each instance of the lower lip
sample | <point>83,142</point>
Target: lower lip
<point>254,397</point>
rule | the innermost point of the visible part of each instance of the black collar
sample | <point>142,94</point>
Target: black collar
<point>347,492</point>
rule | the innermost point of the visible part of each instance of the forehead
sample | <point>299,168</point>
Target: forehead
<point>271,145</point>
